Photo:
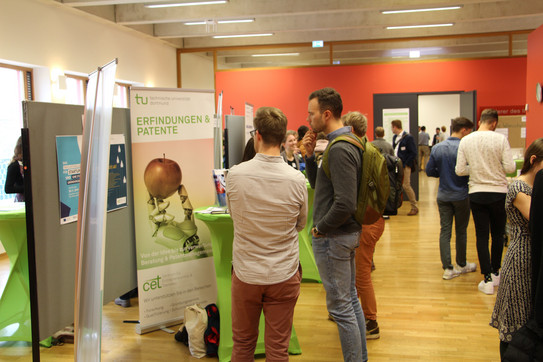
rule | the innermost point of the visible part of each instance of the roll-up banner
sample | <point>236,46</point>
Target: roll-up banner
<point>172,163</point>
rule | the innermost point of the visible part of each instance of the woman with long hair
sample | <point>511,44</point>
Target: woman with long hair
<point>514,300</point>
<point>290,153</point>
<point>14,176</point>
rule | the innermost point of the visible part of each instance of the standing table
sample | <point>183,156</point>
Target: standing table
<point>15,300</point>
<point>221,230</point>
<point>307,259</point>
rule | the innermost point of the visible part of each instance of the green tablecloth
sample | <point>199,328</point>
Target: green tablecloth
<point>222,234</point>
<point>519,164</point>
<point>15,300</point>
<point>307,259</point>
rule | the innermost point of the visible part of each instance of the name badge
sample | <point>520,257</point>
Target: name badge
<point>402,148</point>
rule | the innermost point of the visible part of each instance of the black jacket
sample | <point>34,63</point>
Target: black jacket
<point>407,150</point>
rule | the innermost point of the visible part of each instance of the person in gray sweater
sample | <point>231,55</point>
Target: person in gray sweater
<point>381,143</point>
<point>336,232</point>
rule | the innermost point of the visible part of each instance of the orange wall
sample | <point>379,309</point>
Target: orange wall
<point>534,74</point>
<point>497,81</point>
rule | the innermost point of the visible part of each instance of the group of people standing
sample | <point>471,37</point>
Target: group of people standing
<point>472,170</point>
<point>267,199</point>
<point>423,144</point>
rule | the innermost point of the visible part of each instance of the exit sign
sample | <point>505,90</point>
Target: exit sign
<point>318,43</point>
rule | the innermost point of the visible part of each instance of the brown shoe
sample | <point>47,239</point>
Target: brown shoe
<point>414,211</point>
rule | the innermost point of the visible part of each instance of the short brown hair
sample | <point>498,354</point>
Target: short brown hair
<point>396,123</point>
<point>271,124</point>
<point>357,121</point>
<point>379,132</point>
<point>459,123</point>
<point>329,100</point>
<point>489,115</point>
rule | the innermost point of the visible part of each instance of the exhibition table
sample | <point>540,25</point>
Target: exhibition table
<point>222,234</point>
<point>15,300</point>
<point>307,259</point>
<point>518,163</point>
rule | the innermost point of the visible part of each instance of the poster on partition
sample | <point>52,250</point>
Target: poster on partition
<point>172,162</point>
<point>391,114</point>
<point>249,116</point>
<point>69,163</point>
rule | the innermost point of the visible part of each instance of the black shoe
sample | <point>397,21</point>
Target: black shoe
<point>372,329</point>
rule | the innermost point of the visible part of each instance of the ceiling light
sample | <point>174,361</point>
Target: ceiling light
<point>276,55</point>
<point>221,22</point>
<point>240,35</point>
<point>419,10</point>
<point>192,3</point>
<point>414,54</point>
<point>419,26</point>
<point>235,21</point>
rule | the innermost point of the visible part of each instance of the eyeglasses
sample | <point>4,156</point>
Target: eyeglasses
<point>253,132</point>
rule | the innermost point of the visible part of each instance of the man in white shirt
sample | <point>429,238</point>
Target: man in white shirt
<point>486,157</point>
<point>267,200</point>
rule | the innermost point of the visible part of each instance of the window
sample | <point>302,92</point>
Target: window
<point>120,95</point>
<point>76,89</point>
<point>15,87</point>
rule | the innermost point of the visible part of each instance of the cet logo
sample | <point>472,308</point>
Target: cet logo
<point>140,100</point>
<point>152,284</point>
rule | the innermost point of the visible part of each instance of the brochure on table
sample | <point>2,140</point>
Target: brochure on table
<point>172,162</point>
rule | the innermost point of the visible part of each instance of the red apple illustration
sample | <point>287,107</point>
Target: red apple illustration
<point>162,177</point>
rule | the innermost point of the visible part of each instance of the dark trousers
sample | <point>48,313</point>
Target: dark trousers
<point>503,348</point>
<point>489,216</point>
<point>459,211</point>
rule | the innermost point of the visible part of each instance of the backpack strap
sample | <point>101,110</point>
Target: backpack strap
<point>346,137</point>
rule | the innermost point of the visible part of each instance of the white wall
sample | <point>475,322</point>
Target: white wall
<point>43,33</point>
<point>197,72</point>
<point>438,110</point>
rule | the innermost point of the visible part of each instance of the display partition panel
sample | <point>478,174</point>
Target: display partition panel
<point>234,139</point>
<point>55,244</point>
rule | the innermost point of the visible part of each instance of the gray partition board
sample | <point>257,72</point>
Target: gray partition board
<point>55,244</point>
<point>235,126</point>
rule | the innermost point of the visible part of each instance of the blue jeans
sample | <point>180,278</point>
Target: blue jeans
<point>459,210</point>
<point>334,255</point>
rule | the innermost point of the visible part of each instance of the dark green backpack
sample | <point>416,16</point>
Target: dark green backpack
<point>374,187</point>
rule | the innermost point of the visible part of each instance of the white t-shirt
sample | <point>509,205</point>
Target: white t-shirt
<point>486,157</point>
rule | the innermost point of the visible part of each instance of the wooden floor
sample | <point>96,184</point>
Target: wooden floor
<point>421,316</point>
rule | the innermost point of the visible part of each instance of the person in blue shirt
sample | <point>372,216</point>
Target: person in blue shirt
<point>452,199</point>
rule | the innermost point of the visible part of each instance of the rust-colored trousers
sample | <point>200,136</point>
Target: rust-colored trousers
<point>363,258</point>
<point>277,301</point>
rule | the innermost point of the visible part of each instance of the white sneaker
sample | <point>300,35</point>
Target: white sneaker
<point>487,288</point>
<point>468,268</point>
<point>495,279</point>
<point>450,273</point>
